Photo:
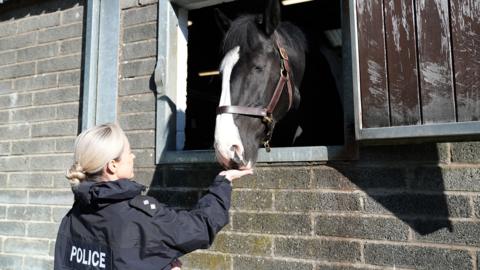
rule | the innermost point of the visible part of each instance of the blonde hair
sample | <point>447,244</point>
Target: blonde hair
<point>94,148</point>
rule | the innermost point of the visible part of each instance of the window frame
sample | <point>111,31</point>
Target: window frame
<point>102,33</point>
<point>431,132</point>
<point>170,79</point>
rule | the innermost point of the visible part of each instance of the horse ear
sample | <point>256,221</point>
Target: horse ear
<point>271,16</point>
<point>222,20</point>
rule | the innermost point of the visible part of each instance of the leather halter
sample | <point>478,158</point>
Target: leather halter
<point>267,113</point>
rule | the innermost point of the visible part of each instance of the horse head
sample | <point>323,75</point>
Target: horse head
<point>262,70</point>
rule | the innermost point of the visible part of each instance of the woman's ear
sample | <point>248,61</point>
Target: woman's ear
<point>111,167</point>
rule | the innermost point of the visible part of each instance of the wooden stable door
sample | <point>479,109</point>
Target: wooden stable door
<point>416,68</point>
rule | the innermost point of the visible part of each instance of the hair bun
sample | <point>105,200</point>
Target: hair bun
<point>75,174</point>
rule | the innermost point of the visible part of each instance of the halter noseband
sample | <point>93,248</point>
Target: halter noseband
<point>267,113</point>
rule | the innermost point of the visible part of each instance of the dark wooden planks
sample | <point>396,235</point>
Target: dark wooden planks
<point>434,52</point>
<point>372,64</point>
<point>465,21</point>
<point>402,62</point>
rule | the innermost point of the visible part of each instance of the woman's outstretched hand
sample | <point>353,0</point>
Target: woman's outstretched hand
<point>235,174</point>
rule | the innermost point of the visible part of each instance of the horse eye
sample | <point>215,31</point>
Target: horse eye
<point>258,68</point>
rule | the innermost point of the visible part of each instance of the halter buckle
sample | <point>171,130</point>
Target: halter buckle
<point>283,53</point>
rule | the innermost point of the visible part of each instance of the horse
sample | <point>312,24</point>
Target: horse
<point>262,70</point>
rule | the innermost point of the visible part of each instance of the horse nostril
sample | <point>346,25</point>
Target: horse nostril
<point>237,154</point>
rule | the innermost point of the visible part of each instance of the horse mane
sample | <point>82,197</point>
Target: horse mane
<point>244,32</point>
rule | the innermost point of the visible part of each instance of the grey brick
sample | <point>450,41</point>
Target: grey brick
<point>50,197</point>
<point>39,52</point>
<point>64,145</point>
<point>8,28</point>
<point>69,111</point>
<point>6,86</point>
<point>142,32</point>
<point>60,33</point>
<point>19,131</point>
<point>33,114</point>
<point>277,177</point>
<point>138,68</point>
<point>55,96</point>
<point>8,228</point>
<point>206,261</point>
<point>13,196</point>
<point>4,150</point>
<point>69,78</point>
<point>418,257</point>
<point>3,212</point>
<point>38,263</point>
<point>243,244</point>
<point>38,22</point>
<point>37,82</point>
<point>72,15</point>
<point>466,152</point>
<point>318,249</point>
<point>249,263</point>
<point>26,246</point>
<point>316,201</point>
<point>139,103</point>
<point>128,4</point>
<point>3,179</point>
<point>18,41</point>
<point>329,177</point>
<point>61,182</point>
<point>142,140</point>
<point>139,50</point>
<point>140,15</point>
<point>139,121</point>
<point>252,200</point>
<point>363,177</point>
<point>361,227</point>
<point>15,100</point>
<point>32,180</point>
<point>4,117</point>
<point>71,46</point>
<point>59,64</point>
<point>403,153</point>
<point>10,262</point>
<point>59,213</point>
<point>7,58</point>
<point>451,179</point>
<point>133,86</point>
<point>465,233</point>
<point>14,71</point>
<point>144,158</point>
<point>50,162</point>
<point>42,230</point>
<point>272,223</point>
<point>62,128</point>
<point>146,2</point>
<point>32,213</point>
<point>419,205</point>
<point>13,163</point>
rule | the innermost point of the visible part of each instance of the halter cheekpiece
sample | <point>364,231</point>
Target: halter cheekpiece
<point>267,113</point>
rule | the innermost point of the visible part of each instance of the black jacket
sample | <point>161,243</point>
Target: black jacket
<point>111,226</point>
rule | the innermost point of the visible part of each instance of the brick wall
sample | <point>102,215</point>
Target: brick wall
<point>397,207</point>
<point>40,56</point>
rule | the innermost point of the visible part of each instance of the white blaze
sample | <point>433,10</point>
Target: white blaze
<point>226,132</point>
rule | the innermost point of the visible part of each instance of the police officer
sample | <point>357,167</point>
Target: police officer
<point>112,226</point>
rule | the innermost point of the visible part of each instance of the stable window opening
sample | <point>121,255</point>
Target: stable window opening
<point>326,109</point>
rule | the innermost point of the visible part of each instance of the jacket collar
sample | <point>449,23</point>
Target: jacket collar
<point>90,192</point>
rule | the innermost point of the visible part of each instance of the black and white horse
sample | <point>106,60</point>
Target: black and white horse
<point>262,71</point>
